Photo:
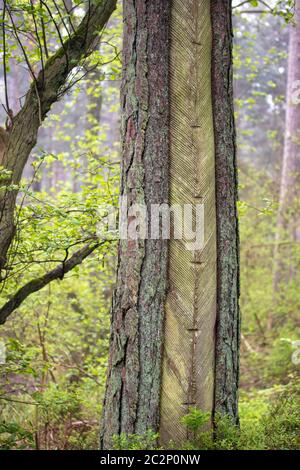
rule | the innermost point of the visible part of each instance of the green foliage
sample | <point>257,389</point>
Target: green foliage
<point>283,8</point>
<point>282,423</point>
<point>13,436</point>
<point>268,422</point>
<point>196,419</point>
<point>148,441</point>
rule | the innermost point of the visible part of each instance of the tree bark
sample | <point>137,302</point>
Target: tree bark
<point>177,58</point>
<point>289,204</point>
<point>228,289</point>
<point>190,309</point>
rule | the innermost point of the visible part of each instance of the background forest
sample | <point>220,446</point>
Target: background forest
<point>53,379</point>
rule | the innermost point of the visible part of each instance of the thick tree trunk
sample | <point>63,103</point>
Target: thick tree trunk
<point>177,57</point>
<point>288,227</point>
<point>133,385</point>
<point>44,91</point>
<point>228,290</point>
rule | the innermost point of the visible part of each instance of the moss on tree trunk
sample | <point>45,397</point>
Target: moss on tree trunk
<point>133,385</point>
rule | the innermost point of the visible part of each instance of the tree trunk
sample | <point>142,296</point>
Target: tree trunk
<point>43,92</point>
<point>288,228</point>
<point>177,61</point>
<point>133,384</point>
<point>190,314</point>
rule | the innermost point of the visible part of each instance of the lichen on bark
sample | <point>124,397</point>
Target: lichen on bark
<point>200,362</point>
<point>45,90</point>
<point>133,384</point>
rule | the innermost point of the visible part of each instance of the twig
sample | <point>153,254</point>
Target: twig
<point>61,17</point>
<point>253,11</point>
<point>39,43</point>
<point>19,401</point>
<point>69,15</point>
<point>248,1</point>
<point>21,46</point>
<point>247,344</point>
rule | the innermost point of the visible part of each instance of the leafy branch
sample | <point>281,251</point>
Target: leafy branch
<point>37,284</point>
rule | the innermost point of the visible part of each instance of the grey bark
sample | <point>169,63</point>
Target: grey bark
<point>133,385</point>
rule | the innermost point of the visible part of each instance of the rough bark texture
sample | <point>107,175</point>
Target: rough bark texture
<point>228,315</point>
<point>44,91</point>
<point>37,284</point>
<point>288,227</point>
<point>133,386</point>
<point>189,343</point>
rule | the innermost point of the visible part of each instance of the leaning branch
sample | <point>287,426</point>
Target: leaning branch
<point>47,87</point>
<point>37,284</point>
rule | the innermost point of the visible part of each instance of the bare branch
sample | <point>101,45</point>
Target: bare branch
<point>58,31</point>
<point>61,17</point>
<point>256,12</point>
<point>69,15</point>
<point>46,90</point>
<point>15,30</point>
<point>248,1</point>
<point>37,35</point>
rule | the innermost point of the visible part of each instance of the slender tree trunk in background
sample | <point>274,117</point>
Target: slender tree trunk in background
<point>177,59</point>
<point>288,228</point>
<point>289,189</point>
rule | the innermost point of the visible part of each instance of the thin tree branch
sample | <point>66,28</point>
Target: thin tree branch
<point>24,132</point>
<point>37,36</point>
<point>61,17</point>
<point>257,12</point>
<point>69,15</point>
<point>37,284</point>
<point>15,30</point>
<point>4,58</point>
<point>44,32</point>
<point>248,1</point>
<point>58,31</point>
